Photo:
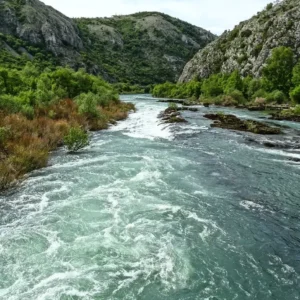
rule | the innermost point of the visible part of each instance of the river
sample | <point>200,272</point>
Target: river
<point>156,212</point>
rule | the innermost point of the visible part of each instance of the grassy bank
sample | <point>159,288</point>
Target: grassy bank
<point>39,110</point>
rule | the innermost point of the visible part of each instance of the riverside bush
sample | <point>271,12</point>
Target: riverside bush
<point>276,96</point>
<point>280,79</point>
<point>295,94</point>
<point>76,139</point>
<point>39,110</point>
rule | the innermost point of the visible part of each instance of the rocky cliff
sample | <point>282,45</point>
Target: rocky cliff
<point>143,48</point>
<point>39,24</point>
<point>247,47</point>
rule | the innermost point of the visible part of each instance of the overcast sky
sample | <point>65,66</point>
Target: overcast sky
<point>214,15</point>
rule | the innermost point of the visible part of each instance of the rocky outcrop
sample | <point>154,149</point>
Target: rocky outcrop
<point>171,115</point>
<point>234,123</point>
<point>39,24</point>
<point>247,47</point>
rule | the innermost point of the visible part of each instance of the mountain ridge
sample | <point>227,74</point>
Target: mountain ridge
<point>144,48</point>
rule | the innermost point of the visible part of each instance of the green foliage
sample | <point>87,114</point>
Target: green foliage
<point>253,87</point>
<point>296,75</point>
<point>76,139</point>
<point>269,6</point>
<point>213,86</point>
<point>4,134</point>
<point>295,94</point>
<point>27,89</point>
<point>246,33</point>
<point>234,82</point>
<point>238,96</point>
<point>138,59</point>
<point>276,96</point>
<point>87,105</point>
<point>190,90</point>
<point>173,106</point>
<point>279,69</point>
<point>24,52</point>
<point>261,93</point>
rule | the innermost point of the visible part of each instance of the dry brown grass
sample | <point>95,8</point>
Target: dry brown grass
<point>27,144</point>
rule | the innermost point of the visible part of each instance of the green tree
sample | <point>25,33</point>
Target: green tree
<point>279,69</point>
<point>295,94</point>
<point>234,82</point>
<point>296,75</point>
<point>213,86</point>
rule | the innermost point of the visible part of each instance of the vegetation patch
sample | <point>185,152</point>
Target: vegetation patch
<point>40,111</point>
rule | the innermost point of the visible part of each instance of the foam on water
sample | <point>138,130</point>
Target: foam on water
<point>140,215</point>
<point>144,123</point>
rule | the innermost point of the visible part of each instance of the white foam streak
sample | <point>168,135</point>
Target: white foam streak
<point>144,123</point>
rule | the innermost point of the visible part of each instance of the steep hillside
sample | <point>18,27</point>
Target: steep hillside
<point>41,25</point>
<point>143,48</point>
<point>247,47</point>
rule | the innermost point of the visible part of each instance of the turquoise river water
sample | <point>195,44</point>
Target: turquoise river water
<point>156,212</point>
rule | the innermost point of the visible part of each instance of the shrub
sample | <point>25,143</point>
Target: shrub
<point>4,134</point>
<point>296,75</point>
<point>27,158</point>
<point>269,6</point>
<point>9,104</point>
<point>261,93</point>
<point>87,105</point>
<point>213,86</point>
<point>295,94</point>
<point>28,111</point>
<point>276,96</point>
<point>76,139</point>
<point>234,82</point>
<point>173,106</point>
<point>246,33</point>
<point>253,87</point>
<point>257,49</point>
<point>237,96</point>
<point>297,110</point>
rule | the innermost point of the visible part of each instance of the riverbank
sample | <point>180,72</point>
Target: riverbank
<point>26,143</point>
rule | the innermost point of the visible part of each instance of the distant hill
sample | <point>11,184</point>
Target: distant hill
<point>247,47</point>
<point>143,48</point>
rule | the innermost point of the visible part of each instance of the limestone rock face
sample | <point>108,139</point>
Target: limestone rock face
<point>247,47</point>
<point>39,24</point>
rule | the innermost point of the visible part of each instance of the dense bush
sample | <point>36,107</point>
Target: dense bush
<point>279,69</point>
<point>295,94</point>
<point>76,139</point>
<point>41,110</point>
<point>276,96</point>
<point>191,90</point>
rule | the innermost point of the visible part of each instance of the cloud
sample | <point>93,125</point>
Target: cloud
<point>214,15</point>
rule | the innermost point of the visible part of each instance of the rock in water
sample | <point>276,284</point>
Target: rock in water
<point>234,123</point>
